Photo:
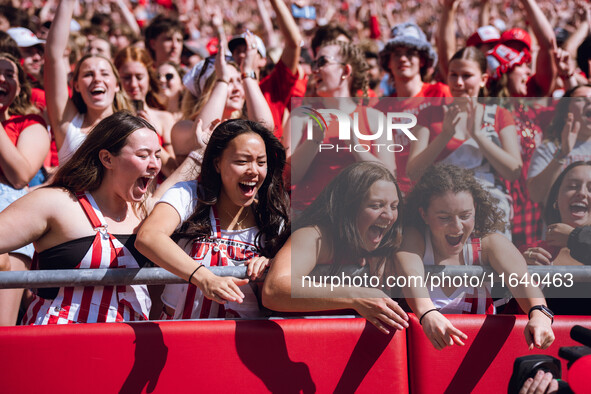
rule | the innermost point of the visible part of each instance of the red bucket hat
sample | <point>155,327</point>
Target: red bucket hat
<point>502,59</point>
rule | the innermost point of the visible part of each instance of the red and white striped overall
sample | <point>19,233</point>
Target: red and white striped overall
<point>464,300</point>
<point>223,248</point>
<point>99,303</point>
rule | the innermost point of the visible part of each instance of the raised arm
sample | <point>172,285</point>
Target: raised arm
<point>20,163</point>
<point>128,17</point>
<point>539,184</point>
<point>60,108</point>
<point>270,34</point>
<point>291,35</point>
<point>546,71</point>
<point>256,104</point>
<point>446,35</point>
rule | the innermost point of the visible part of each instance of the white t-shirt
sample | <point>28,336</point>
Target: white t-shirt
<point>222,248</point>
<point>544,154</point>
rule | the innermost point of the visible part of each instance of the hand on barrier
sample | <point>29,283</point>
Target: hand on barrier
<point>381,312</point>
<point>537,256</point>
<point>441,332</point>
<point>222,289</point>
<point>256,267</point>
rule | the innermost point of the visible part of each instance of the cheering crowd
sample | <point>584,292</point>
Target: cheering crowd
<point>167,133</point>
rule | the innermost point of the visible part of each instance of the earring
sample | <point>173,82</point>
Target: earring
<point>343,77</point>
<point>555,205</point>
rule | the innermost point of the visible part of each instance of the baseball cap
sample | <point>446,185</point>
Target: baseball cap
<point>24,37</point>
<point>234,42</point>
<point>484,35</point>
<point>517,34</point>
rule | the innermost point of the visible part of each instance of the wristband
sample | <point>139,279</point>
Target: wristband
<point>559,157</point>
<point>250,74</point>
<point>544,309</point>
<point>425,314</point>
<point>198,157</point>
<point>193,273</point>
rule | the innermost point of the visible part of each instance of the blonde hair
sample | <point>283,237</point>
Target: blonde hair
<point>352,55</point>
<point>191,105</point>
<point>120,101</point>
<point>140,55</point>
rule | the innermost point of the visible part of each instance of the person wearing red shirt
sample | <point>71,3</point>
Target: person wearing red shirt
<point>407,58</point>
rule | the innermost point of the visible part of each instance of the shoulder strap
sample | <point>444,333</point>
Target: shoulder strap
<point>88,206</point>
<point>216,229</point>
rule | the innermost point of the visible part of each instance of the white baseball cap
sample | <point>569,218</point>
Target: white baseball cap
<point>24,37</point>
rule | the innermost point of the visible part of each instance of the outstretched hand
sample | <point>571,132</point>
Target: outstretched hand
<point>382,312</point>
<point>538,331</point>
<point>441,332</point>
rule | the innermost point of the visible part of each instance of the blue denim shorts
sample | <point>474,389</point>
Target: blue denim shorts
<point>8,195</point>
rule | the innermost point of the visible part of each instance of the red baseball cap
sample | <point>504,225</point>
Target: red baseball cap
<point>484,35</point>
<point>517,34</point>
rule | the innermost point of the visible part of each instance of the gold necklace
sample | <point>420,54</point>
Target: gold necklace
<point>233,216</point>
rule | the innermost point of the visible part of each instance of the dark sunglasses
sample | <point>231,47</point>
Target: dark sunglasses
<point>210,62</point>
<point>323,61</point>
<point>167,76</point>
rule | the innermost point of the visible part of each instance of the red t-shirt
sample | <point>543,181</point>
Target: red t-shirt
<point>16,124</point>
<point>327,164</point>
<point>413,106</point>
<point>278,88</point>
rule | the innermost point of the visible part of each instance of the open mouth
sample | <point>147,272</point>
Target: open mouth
<point>144,183</point>
<point>579,209</point>
<point>247,187</point>
<point>98,91</point>
<point>376,232</point>
<point>3,92</point>
<point>454,240</point>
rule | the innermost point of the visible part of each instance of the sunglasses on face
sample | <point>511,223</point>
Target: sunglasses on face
<point>167,76</point>
<point>323,61</point>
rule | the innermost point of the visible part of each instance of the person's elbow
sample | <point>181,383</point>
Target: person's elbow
<point>144,239</point>
<point>273,295</point>
<point>514,172</point>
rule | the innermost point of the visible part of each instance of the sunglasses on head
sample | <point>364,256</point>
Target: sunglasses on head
<point>210,62</point>
<point>323,61</point>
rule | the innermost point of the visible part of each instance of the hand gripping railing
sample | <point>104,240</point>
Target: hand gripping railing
<point>158,276</point>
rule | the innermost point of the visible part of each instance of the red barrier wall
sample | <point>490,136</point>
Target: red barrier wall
<point>485,363</point>
<point>294,355</point>
<point>283,356</point>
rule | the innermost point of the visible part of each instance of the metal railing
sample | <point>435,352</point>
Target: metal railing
<point>159,276</point>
